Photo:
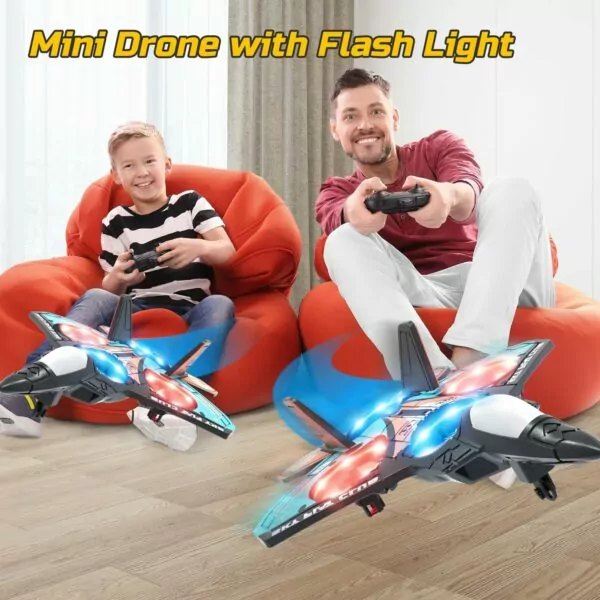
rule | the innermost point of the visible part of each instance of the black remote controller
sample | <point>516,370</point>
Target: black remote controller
<point>392,203</point>
<point>145,261</point>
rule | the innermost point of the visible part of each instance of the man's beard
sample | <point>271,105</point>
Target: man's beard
<point>377,160</point>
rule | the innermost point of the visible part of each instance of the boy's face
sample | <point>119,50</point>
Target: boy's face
<point>364,124</point>
<point>140,165</point>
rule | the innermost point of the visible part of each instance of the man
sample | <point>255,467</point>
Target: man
<point>481,251</point>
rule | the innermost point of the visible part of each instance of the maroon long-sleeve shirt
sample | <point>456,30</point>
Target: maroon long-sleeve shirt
<point>441,156</point>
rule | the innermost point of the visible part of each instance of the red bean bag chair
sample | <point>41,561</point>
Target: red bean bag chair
<point>258,278</point>
<point>565,384</point>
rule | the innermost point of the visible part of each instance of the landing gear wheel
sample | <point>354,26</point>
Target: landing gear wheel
<point>40,410</point>
<point>372,505</point>
<point>545,488</point>
<point>156,415</point>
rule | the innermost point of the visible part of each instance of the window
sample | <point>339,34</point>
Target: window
<point>57,113</point>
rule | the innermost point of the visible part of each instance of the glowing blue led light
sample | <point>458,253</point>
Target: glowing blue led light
<point>422,435</point>
<point>360,423</point>
<point>385,408</point>
<point>151,363</point>
<point>151,359</point>
<point>381,406</point>
<point>108,365</point>
<point>438,427</point>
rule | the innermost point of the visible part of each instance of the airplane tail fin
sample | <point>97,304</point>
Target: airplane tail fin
<point>200,385</point>
<point>179,369</point>
<point>120,326</point>
<point>332,438</point>
<point>415,368</point>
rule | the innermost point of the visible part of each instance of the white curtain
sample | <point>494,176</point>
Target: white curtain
<point>56,113</point>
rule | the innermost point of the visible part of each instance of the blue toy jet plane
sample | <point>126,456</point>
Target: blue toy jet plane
<point>466,427</point>
<point>93,366</point>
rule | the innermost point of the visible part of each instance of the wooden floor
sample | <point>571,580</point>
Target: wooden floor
<point>92,513</point>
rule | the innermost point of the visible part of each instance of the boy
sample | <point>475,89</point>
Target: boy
<point>184,226</point>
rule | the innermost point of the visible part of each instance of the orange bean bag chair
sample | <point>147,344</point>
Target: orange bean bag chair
<point>565,384</point>
<point>258,278</point>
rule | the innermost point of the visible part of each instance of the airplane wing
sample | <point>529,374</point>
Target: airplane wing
<point>339,479</point>
<point>502,373</point>
<point>179,398</point>
<point>61,331</point>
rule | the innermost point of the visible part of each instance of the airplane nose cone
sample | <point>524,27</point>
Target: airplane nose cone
<point>578,446</point>
<point>569,443</point>
<point>23,381</point>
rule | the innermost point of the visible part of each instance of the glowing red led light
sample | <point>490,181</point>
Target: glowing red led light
<point>491,372</point>
<point>349,470</point>
<point>83,334</point>
<point>169,391</point>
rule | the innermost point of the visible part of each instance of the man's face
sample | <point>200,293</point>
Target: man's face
<point>364,124</point>
<point>140,166</point>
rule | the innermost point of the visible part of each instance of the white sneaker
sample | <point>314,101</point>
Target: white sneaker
<point>172,431</point>
<point>19,425</point>
<point>505,479</point>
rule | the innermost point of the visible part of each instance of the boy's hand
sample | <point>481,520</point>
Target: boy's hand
<point>118,275</point>
<point>180,252</point>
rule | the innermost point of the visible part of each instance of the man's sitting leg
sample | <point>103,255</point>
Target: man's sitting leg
<point>381,288</point>
<point>463,357</point>
<point>512,266</point>
<point>17,416</point>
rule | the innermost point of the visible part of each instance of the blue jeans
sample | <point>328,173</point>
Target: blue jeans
<point>97,306</point>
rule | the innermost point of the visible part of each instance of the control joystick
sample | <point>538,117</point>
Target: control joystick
<point>145,261</point>
<point>392,203</point>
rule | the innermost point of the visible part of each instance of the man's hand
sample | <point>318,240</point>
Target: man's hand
<point>117,280</point>
<point>180,252</point>
<point>455,200</point>
<point>441,202</point>
<point>357,214</point>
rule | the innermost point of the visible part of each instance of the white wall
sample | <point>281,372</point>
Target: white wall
<point>531,115</point>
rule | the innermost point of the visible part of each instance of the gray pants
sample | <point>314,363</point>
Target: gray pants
<point>512,266</point>
<point>97,306</point>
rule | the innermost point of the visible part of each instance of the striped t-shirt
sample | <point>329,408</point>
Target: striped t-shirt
<point>185,215</point>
